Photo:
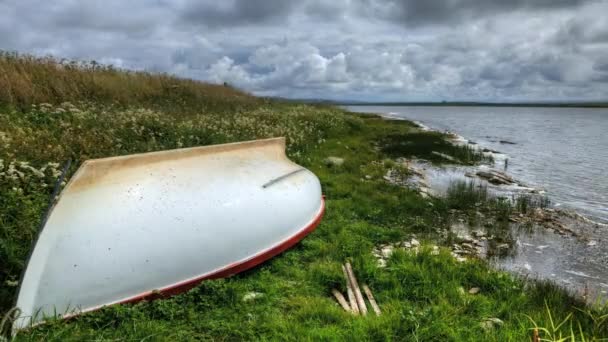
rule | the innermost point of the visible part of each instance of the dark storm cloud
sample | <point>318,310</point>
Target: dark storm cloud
<point>427,12</point>
<point>363,49</point>
<point>236,12</point>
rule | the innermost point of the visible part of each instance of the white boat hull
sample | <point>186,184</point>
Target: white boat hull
<point>148,225</point>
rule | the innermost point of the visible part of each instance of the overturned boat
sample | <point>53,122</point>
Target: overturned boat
<point>150,225</point>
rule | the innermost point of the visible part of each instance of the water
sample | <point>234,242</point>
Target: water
<point>562,150</point>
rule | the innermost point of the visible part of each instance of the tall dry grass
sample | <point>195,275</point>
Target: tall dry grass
<point>27,80</point>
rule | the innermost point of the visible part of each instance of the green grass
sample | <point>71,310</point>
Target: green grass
<point>423,297</point>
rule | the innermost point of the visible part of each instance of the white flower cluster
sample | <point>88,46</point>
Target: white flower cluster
<point>18,174</point>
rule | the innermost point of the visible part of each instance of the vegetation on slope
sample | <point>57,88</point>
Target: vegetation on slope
<point>423,296</point>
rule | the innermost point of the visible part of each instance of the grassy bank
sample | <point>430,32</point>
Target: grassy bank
<point>423,296</point>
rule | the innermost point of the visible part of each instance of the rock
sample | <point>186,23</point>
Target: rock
<point>503,246</point>
<point>467,245</point>
<point>381,263</point>
<point>478,233</point>
<point>474,290</point>
<point>334,161</point>
<point>445,156</point>
<point>415,243</point>
<point>387,251</point>
<point>495,177</point>
<point>368,177</point>
<point>491,323</point>
<point>461,259</point>
<point>487,150</point>
<point>250,296</point>
<point>507,142</point>
<point>465,238</point>
<point>591,243</point>
<point>406,244</point>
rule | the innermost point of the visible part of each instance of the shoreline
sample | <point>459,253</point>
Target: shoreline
<point>498,156</point>
<point>562,223</point>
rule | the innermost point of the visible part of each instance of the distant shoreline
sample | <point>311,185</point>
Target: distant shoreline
<point>462,104</point>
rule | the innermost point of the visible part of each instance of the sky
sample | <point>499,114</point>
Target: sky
<point>369,50</point>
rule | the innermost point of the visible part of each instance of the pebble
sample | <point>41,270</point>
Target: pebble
<point>474,290</point>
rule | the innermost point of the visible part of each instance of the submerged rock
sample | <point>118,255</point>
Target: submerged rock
<point>446,157</point>
<point>495,177</point>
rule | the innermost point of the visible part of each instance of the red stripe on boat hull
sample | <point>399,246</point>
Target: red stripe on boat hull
<point>233,268</point>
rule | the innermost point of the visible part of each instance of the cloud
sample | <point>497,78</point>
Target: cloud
<point>230,13</point>
<point>357,49</point>
<point>415,12</point>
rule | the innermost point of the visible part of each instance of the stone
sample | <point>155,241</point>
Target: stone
<point>387,251</point>
<point>445,156</point>
<point>478,233</point>
<point>334,161</point>
<point>503,246</point>
<point>491,323</point>
<point>467,245</point>
<point>250,296</point>
<point>474,290</point>
<point>465,238</point>
<point>591,243</point>
<point>495,177</point>
<point>415,243</point>
<point>381,263</point>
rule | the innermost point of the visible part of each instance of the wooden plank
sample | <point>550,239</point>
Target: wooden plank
<point>341,300</point>
<point>356,289</point>
<point>372,300</point>
<point>351,294</point>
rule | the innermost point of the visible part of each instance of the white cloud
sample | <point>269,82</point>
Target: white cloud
<point>359,49</point>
